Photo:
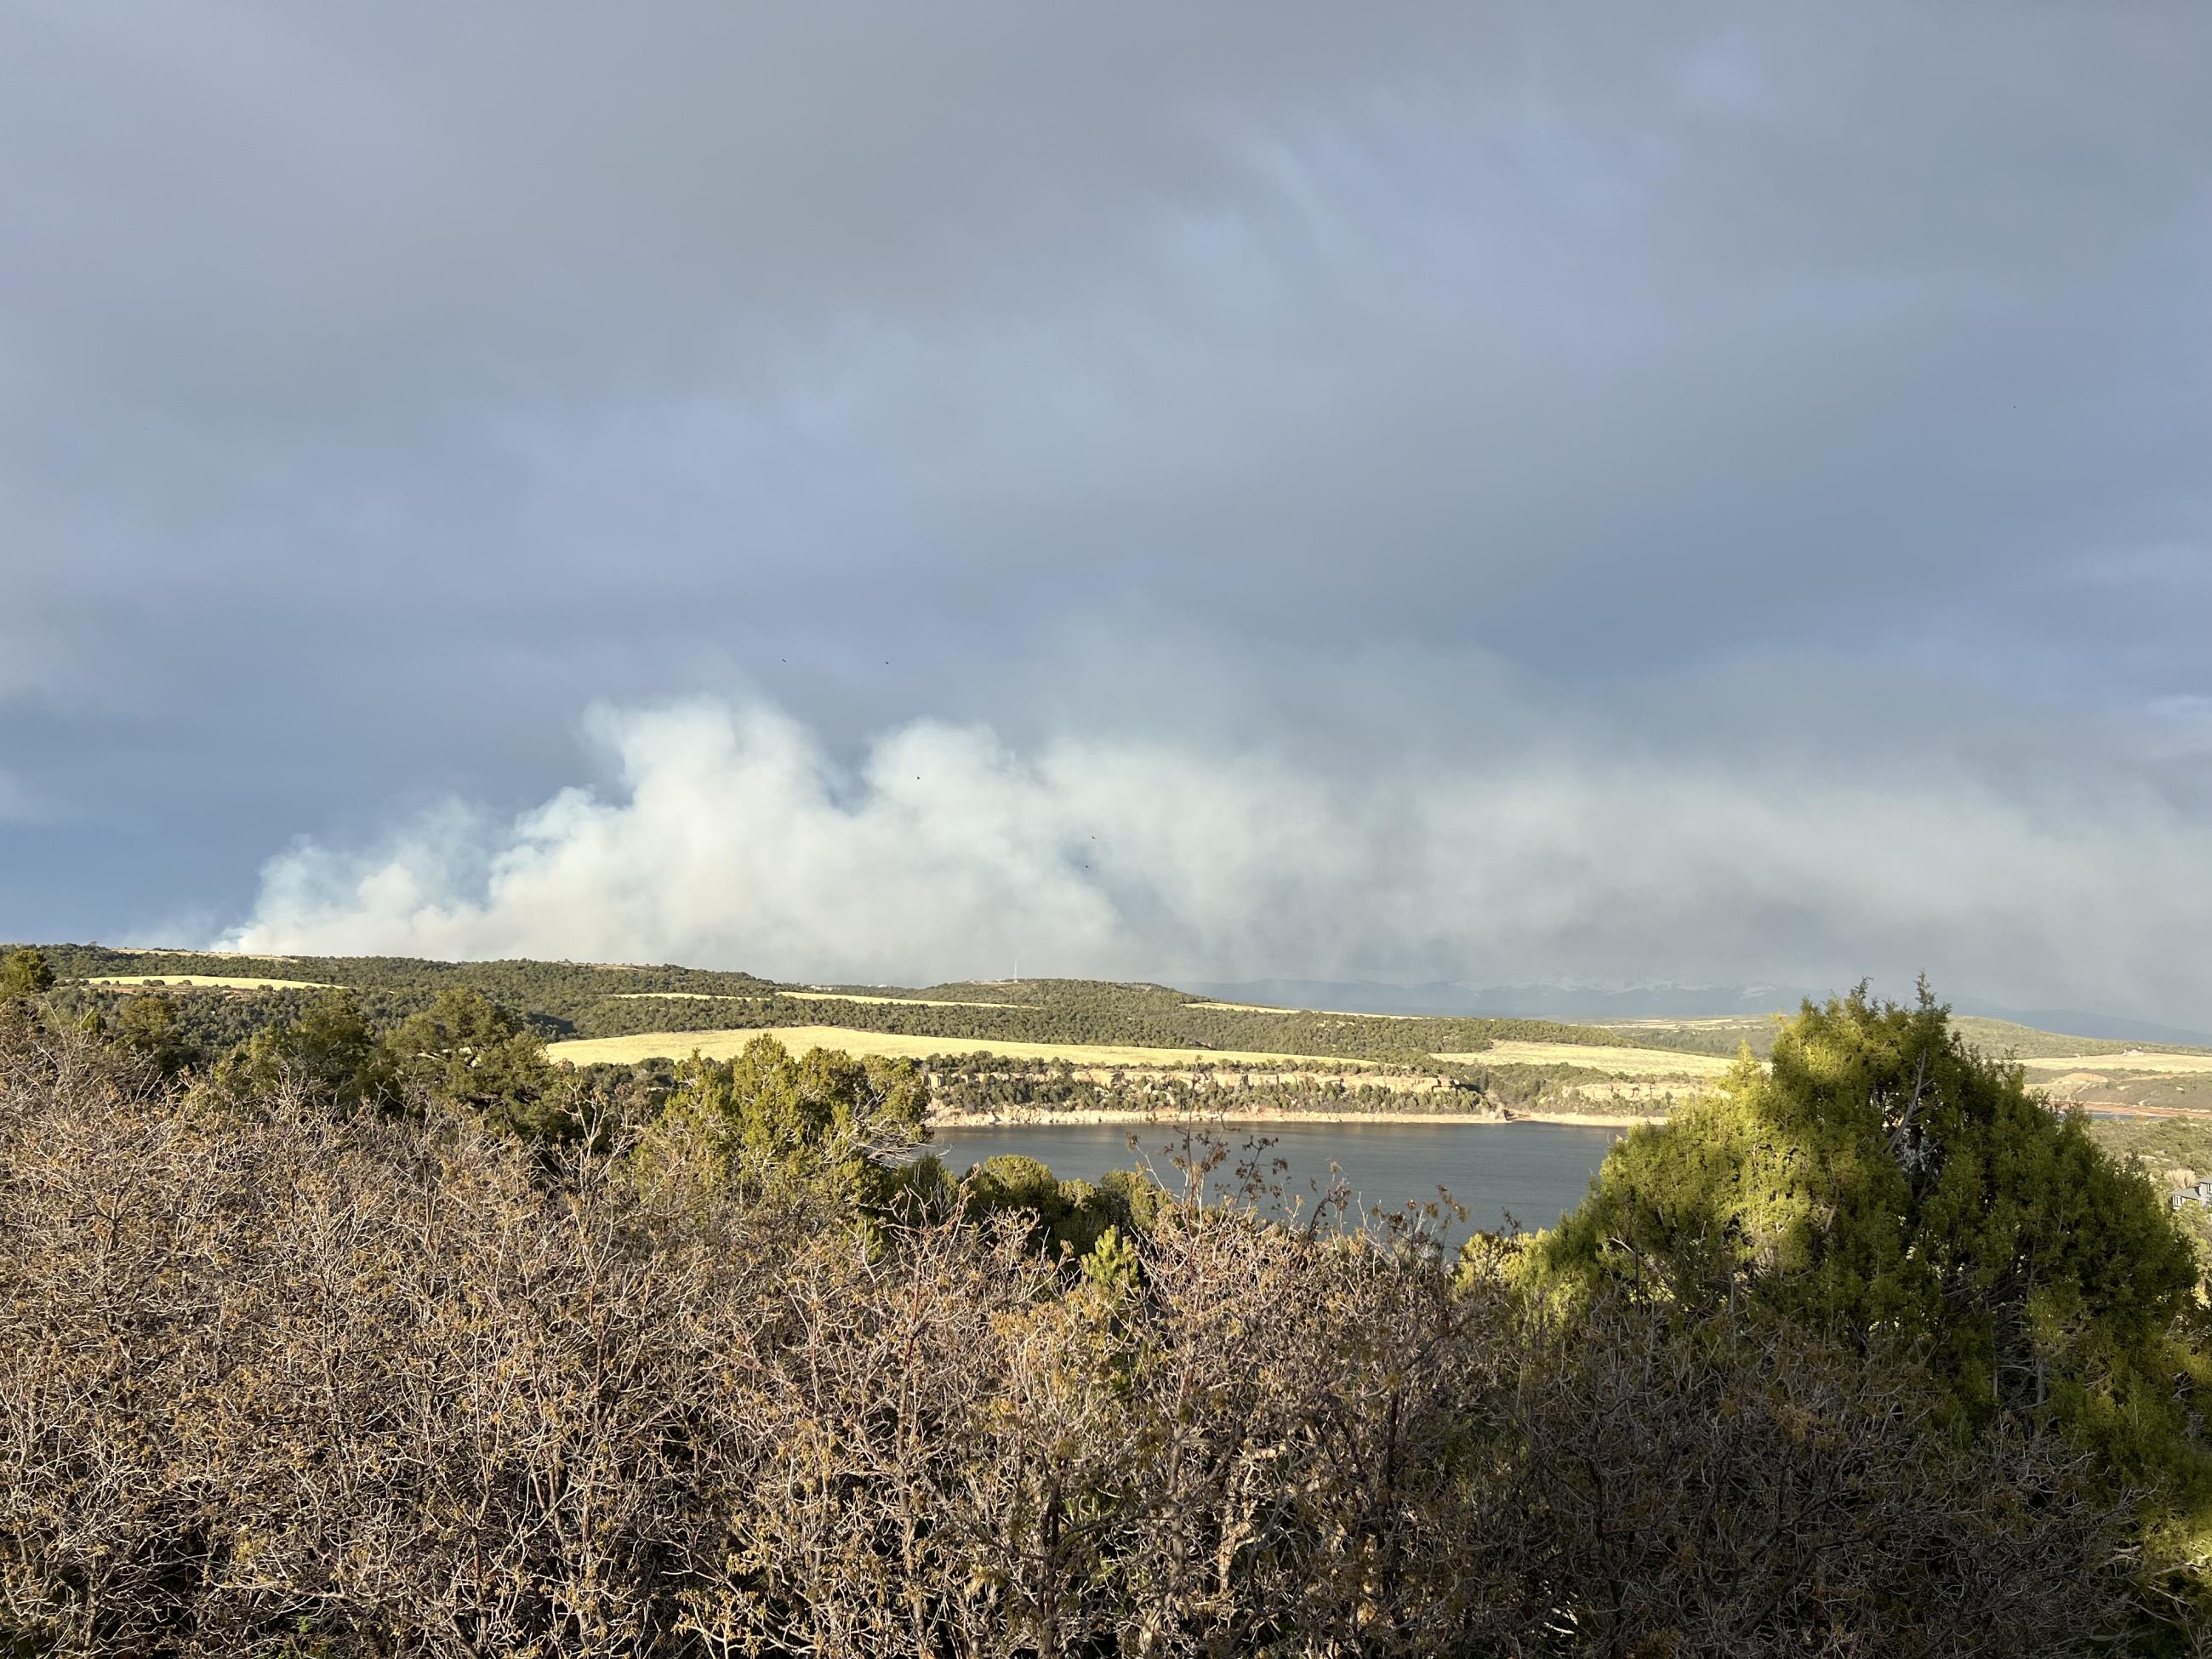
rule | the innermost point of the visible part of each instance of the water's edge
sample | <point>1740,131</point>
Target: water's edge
<point>1532,1173</point>
<point>1042,1118</point>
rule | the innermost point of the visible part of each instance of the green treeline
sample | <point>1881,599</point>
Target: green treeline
<point>354,1342</point>
<point>551,994</point>
<point>578,1000</point>
<point>984,1083</point>
<point>1096,1012</point>
<point>989,1084</point>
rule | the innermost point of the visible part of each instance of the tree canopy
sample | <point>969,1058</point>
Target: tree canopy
<point>1887,1183</point>
<point>150,1027</point>
<point>466,1051</point>
<point>25,973</point>
<point>767,1113</point>
<point>330,1053</point>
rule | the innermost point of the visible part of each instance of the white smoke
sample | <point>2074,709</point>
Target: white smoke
<point>734,840</point>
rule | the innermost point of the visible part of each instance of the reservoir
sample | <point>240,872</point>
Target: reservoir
<point>1533,1172</point>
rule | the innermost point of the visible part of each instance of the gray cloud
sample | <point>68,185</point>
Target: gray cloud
<point>16,802</point>
<point>1347,392</point>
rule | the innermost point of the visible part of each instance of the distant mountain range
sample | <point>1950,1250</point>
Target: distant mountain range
<point>1598,1006</point>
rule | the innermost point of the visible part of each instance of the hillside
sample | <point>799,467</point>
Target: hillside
<point>226,996</point>
<point>1058,1044</point>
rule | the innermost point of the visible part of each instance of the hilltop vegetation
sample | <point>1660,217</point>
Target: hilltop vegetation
<point>552,996</point>
<point>574,1000</point>
<point>1090,1012</point>
<point>330,1349</point>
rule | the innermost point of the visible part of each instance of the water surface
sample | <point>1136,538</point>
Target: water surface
<point>1534,1172</point>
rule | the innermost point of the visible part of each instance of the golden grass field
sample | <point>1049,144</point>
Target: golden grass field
<point>2147,1061</point>
<point>722,1045</point>
<point>223,982</point>
<point>1624,1062</point>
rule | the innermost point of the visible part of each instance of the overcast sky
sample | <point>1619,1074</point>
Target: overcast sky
<point>1604,494</point>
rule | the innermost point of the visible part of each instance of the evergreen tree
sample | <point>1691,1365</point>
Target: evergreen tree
<point>150,1026</point>
<point>766,1114</point>
<point>1885,1183</point>
<point>329,1052</point>
<point>25,973</point>
<point>466,1050</point>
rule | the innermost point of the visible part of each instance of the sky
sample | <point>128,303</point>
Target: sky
<point>1592,494</point>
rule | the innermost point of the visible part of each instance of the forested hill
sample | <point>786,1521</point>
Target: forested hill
<point>586,1000</point>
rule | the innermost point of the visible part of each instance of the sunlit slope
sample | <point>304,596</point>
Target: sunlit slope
<point>722,1044</point>
<point>2129,1062</point>
<point>1057,1013</point>
<point>1617,1062</point>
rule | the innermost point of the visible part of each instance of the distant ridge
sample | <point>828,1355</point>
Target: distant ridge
<point>2073,1023</point>
<point>1563,1002</point>
<point>1598,1005</point>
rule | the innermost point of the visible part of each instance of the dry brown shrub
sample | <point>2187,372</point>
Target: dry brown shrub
<point>274,1382</point>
